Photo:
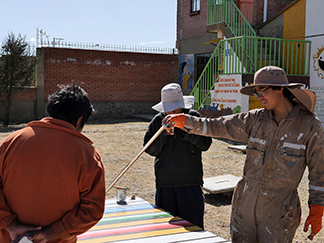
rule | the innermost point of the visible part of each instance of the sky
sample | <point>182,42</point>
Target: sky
<point>149,23</point>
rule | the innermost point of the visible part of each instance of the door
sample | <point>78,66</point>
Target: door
<point>245,7</point>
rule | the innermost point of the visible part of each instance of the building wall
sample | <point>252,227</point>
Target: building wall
<point>23,106</point>
<point>257,13</point>
<point>294,21</point>
<point>274,6</point>
<point>118,83</point>
<point>315,33</point>
<point>288,23</point>
<point>274,28</point>
<point>191,29</point>
<point>110,76</point>
<point>193,24</point>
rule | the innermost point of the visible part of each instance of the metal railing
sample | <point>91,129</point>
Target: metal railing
<point>245,55</point>
<point>226,11</point>
<point>42,40</point>
<point>108,47</point>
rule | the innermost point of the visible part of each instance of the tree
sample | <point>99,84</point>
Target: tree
<point>17,69</point>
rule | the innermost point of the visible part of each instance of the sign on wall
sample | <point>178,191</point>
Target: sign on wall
<point>319,108</point>
<point>226,97</point>
<point>315,33</point>
<point>317,75</point>
<point>317,62</point>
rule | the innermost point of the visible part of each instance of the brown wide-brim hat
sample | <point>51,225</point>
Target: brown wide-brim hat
<point>269,76</point>
<point>305,97</point>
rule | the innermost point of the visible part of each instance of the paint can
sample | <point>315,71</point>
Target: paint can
<point>121,195</point>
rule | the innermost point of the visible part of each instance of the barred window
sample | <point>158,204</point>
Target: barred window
<point>195,5</point>
<point>200,63</point>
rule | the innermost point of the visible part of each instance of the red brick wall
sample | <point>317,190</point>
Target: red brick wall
<point>27,94</point>
<point>274,6</point>
<point>192,25</point>
<point>109,76</point>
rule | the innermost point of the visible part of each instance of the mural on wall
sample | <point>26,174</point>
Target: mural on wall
<point>225,98</point>
<point>318,63</point>
<point>317,76</point>
<point>186,71</point>
<point>315,33</point>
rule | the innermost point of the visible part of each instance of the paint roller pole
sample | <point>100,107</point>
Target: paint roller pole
<point>136,157</point>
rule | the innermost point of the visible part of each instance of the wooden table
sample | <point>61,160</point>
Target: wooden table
<point>139,221</point>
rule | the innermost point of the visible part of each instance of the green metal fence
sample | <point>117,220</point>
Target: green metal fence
<point>245,55</point>
<point>226,11</point>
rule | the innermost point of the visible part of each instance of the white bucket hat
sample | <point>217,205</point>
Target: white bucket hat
<point>172,98</point>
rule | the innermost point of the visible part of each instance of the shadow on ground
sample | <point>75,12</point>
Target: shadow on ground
<point>96,121</point>
<point>221,199</point>
<point>11,127</point>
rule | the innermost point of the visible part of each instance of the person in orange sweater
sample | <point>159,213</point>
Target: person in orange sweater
<point>52,180</point>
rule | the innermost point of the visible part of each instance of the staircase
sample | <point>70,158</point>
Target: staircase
<point>242,52</point>
<point>224,15</point>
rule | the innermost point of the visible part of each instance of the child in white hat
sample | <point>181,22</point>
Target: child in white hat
<point>178,167</point>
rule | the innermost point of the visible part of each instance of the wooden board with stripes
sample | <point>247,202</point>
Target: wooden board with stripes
<point>139,221</point>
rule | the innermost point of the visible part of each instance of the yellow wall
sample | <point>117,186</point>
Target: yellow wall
<point>293,28</point>
<point>294,21</point>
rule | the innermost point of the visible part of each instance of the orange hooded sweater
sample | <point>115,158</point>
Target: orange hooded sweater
<point>50,174</point>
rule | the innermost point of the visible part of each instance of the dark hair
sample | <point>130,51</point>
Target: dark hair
<point>183,65</point>
<point>285,92</point>
<point>69,104</point>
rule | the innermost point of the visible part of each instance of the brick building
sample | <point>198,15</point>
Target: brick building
<point>195,37</point>
<point>230,40</point>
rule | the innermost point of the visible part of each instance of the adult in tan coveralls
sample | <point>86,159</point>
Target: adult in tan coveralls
<point>283,138</point>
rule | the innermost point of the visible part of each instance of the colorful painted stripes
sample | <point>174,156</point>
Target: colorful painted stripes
<point>139,221</point>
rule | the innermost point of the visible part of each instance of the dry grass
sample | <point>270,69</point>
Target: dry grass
<point>119,141</point>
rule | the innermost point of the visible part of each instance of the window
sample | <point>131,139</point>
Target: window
<point>195,6</point>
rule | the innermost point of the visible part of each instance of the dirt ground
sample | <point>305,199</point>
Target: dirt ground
<point>120,140</point>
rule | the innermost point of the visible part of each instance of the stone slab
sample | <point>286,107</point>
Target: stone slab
<point>241,148</point>
<point>220,184</point>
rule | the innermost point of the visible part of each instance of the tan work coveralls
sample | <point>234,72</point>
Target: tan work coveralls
<point>265,204</point>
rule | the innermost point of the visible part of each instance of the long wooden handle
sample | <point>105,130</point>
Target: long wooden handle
<point>136,157</point>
